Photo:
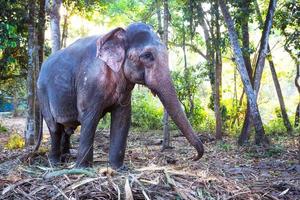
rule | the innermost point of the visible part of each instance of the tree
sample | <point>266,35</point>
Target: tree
<point>244,22</point>
<point>213,56</point>
<point>218,73</point>
<point>54,23</point>
<point>32,56</point>
<point>166,140</point>
<point>260,133</point>
<point>40,46</point>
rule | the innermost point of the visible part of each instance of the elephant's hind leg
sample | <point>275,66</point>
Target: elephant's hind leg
<point>66,143</point>
<point>56,132</point>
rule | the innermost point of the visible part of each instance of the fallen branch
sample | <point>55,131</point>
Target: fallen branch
<point>69,171</point>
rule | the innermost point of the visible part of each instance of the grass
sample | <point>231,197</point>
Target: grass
<point>260,152</point>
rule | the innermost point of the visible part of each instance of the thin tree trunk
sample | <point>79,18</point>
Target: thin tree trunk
<point>191,102</point>
<point>55,25</point>
<point>158,13</point>
<point>275,79</point>
<point>166,141</point>
<point>15,104</point>
<point>64,35</point>
<point>29,130</point>
<point>213,63</point>
<point>244,75</point>
<point>297,114</point>
<point>285,117</point>
<point>218,76</point>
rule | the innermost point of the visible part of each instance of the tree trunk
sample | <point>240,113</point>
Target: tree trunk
<point>29,130</point>
<point>214,60</point>
<point>55,25</point>
<point>244,75</point>
<point>190,111</point>
<point>166,141</point>
<point>297,79</point>
<point>244,136</point>
<point>40,43</point>
<point>285,117</point>
<point>64,35</point>
<point>263,50</point>
<point>218,75</point>
<point>158,13</point>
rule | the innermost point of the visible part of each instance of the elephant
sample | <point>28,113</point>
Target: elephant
<point>95,75</point>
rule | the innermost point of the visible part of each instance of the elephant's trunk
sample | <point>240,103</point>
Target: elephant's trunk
<point>167,94</point>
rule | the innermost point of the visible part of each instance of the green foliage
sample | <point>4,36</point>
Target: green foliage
<point>186,82</point>
<point>3,129</point>
<point>13,39</point>
<point>275,127</point>
<point>147,112</point>
<point>224,146</point>
<point>287,20</point>
<point>271,151</point>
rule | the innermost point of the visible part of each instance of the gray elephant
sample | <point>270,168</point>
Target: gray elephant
<point>78,85</point>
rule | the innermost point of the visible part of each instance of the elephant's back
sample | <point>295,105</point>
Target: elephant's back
<point>67,61</point>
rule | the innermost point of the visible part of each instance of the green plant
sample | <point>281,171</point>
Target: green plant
<point>260,152</point>
<point>147,111</point>
<point>275,127</point>
<point>15,141</point>
<point>3,129</point>
<point>224,146</point>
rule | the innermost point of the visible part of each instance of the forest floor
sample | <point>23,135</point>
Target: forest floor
<point>226,171</point>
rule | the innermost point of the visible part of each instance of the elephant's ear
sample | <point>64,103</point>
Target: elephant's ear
<point>111,48</point>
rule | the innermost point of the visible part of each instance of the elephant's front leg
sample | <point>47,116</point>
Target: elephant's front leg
<point>87,133</point>
<point>120,123</point>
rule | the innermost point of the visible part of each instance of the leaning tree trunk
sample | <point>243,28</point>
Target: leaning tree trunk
<point>29,130</point>
<point>166,141</point>
<point>244,74</point>
<point>55,25</point>
<point>261,58</point>
<point>285,117</point>
<point>275,79</point>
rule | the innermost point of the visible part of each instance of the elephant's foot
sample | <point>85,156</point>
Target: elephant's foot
<point>84,164</point>
<point>54,159</point>
<point>118,166</point>
<point>65,157</point>
<point>123,168</point>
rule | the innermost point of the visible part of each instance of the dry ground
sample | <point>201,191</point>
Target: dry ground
<point>225,171</point>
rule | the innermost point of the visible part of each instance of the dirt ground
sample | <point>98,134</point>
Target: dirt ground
<point>225,171</point>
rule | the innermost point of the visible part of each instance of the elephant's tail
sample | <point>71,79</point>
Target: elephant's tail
<point>40,136</point>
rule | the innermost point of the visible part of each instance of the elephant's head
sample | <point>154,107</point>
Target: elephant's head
<point>144,60</point>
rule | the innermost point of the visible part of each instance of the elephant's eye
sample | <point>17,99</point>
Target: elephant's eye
<point>147,56</point>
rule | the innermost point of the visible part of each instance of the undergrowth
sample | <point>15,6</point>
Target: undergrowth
<point>3,129</point>
<point>15,141</point>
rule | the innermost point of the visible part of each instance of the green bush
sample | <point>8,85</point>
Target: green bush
<point>275,127</point>
<point>147,112</point>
